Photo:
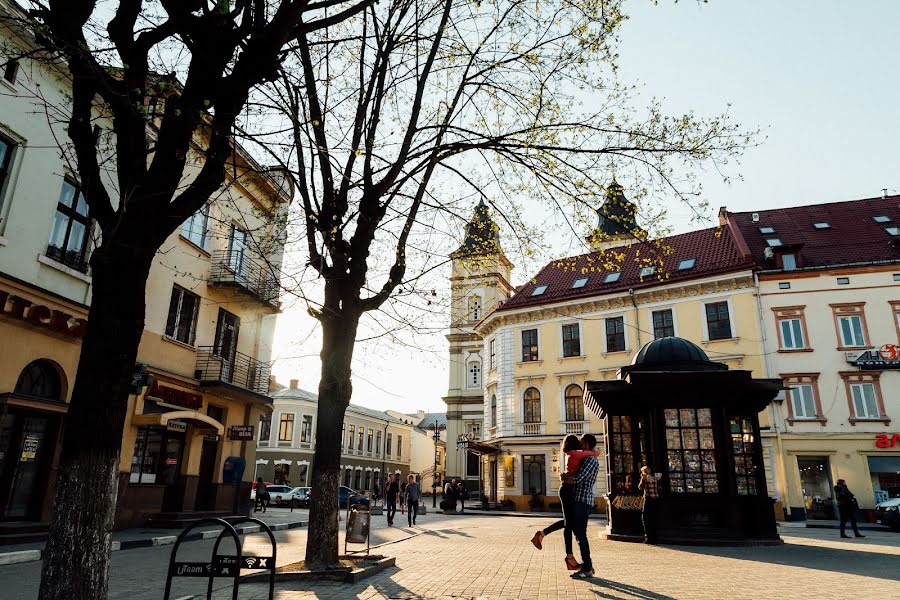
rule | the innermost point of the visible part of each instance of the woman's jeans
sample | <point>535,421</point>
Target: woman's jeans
<point>566,499</point>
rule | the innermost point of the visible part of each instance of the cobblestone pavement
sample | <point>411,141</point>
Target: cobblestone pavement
<point>491,557</point>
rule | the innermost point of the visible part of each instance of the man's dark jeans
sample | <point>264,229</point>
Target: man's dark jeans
<point>848,513</point>
<point>391,509</point>
<point>412,511</point>
<point>650,518</point>
<point>579,528</point>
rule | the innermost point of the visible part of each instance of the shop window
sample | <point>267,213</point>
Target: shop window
<point>615,334</point>
<point>815,483</point>
<point>71,229</point>
<point>306,429</point>
<point>286,427</point>
<point>718,321</point>
<point>157,456</point>
<point>571,340</point>
<point>282,474</point>
<point>40,379</point>
<point>743,447</point>
<point>691,451</point>
<point>529,345</point>
<point>195,227</point>
<point>663,324</point>
<point>7,149</point>
<point>885,474</point>
<point>574,403</point>
<point>532,400</point>
<point>533,474</point>
<point>351,437</point>
<point>181,324</point>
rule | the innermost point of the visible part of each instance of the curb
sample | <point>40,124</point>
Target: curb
<point>25,556</point>
<point>502,513</point>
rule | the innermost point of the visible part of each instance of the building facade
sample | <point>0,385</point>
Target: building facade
<point>829,289</point>
<point>373,443</point>
<point>429,453</point>
<point>212,297</point>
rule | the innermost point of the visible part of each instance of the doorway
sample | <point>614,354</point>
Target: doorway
<point>228,327</point>
<point>493,480</point>
<point>815,481</point>
<point>206,490</point>
<point>24,450</point>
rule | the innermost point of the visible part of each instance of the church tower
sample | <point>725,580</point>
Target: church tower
<point>616,225</point>
<point>479,281</point>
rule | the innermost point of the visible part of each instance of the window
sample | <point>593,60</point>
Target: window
<point>791,334</point>
<point>896,276</point>
<point>474,308</point>
<point>789,262</point>
<point>348,476</point>
<point>194,228</point>
<point>803,401</point>
<point>265,429</point>
<point>40,379</point>
<point>784,285</point>
<point>358,479</point>
<point>532,399</point>
<point>282,474</point>
<point>529,345</point>
<point>368,480</point>
<point>534,474</point>
<point>351,437</point>
<point>7,149</point>
<point>11,70</point>
<point>493,354</point>
<point>370,439</point>
<point>743,446</point>
<point>881,219</point>
<point>539,290</point>
<point>766,230</point>
<point>474,378</point>
<point>493,410</point>
<point>615,334</point>
<point>663,324</point>
<point>145,460</point>
<point>343,434</point>
<point>360,436</point>
<point>378,443</point>
<point>865,404</point>
<point>648,271</point>
<point>571,340</point>
<point>579,283</point>
<point>399,446</point>
<point>691,451</point>
<point>388,445</point>
<point>306,429</point>
<point>822,225</point>
<point>574,403</point>
<point>238,260</point>
<point>843,281</point>
<point>717,321</point>
<point>774,242</point>
<point>892,230</point>
<point>286,427</point>
<point>612,277</point>
<point>688,263</point>
<point>851,331</point>
<point>181,324</point>
<point>71,226</point>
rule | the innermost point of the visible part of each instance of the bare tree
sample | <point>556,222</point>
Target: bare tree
<point>217,51</point>
<point>393,116</point>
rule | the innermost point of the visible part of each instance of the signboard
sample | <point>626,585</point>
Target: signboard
<point>177,426</point>
<point>171,461</point>
<point>210,438</point>
<point>39,315</point>
<point>29,447</point>
<point>242,433</point>
<point>175,396</point>
<point>885,358</point>
<point>886,440</point>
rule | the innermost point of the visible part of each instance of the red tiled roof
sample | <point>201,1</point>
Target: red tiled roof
<point>853,236</point>
<point>714,249</point>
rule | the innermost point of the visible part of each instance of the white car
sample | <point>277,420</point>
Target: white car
<point>888,513</point>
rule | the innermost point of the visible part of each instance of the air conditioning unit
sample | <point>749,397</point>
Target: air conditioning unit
<point>768,253</point>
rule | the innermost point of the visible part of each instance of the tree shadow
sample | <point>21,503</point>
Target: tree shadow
<point>439,533</point>
<point>635,592</point>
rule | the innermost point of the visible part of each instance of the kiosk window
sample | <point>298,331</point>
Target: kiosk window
<point>691,451</point>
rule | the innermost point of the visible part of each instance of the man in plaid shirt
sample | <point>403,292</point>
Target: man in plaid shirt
<point>650,486</point>
<point>584,481</point>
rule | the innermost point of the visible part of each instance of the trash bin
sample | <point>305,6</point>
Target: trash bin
<point>358,526</point>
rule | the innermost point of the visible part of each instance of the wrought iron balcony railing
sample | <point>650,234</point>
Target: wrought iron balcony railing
<point>71,258</point>
<point>236,267</point>
<point>240,370</point>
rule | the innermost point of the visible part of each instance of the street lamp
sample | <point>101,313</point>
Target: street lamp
<point>436,430</point>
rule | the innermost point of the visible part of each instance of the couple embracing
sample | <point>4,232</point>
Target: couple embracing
<point>576,495</point>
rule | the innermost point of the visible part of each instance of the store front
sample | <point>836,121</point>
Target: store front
<point>817,487</point>
<point>885,474</point>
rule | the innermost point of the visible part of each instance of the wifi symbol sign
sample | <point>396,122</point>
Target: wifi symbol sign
<point>251,561</point>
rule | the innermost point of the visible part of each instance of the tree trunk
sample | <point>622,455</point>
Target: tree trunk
<point>76,559</point>
<point>335,389</point>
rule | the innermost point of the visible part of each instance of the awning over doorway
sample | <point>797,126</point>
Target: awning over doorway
<point>478,447</point>
<point>163,419</point>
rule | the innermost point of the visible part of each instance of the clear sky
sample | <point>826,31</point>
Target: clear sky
<point>821,77</point>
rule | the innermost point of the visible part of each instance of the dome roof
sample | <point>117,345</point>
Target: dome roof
<point>673,354</point>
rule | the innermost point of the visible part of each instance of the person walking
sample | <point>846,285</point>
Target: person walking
<point>463,493</point>
<point>391,491</point>
<point>412,493</point>
<point>571,449</point>
<point>584,481</point>
<point>847,506</point>
<point>650,513</point>
<point>402,495</point>
<point>450,495</point>
<point>262,496</point>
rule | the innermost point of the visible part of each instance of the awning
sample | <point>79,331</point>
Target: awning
<point>478,448</point>
<point>163,419</point>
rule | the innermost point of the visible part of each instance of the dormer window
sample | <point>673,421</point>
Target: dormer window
<point>773,242</point>
<point>539,290</point>
<point>894,230</point>
<point>822,225</point>
<point>612,277</point>
<point>882,219</point>
<point>579,283</point>
<point>688,263</point>
<point>648,271</point>
<point>767,230</point>
<point>788,261</point>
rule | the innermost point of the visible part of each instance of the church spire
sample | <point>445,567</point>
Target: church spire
<point>482,234</point>
<point>616,220</point>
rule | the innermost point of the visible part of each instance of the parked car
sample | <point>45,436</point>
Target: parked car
<point>279,495</point>
<point>301,496</point>
<point>888,513</point>
<point>343,494</point>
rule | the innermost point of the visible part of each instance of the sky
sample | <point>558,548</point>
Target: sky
<point>820,78</point>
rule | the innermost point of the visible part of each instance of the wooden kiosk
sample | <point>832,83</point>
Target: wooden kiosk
<point>695,423</point>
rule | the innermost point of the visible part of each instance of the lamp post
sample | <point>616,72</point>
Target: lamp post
<point>436,435</point>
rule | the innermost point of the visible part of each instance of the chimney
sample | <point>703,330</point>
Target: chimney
<point>272,382</point>
<point>420,414</point>
<point>884,193</point>
<point>295,383</point>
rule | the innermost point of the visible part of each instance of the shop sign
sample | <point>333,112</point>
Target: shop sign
<point>211,438</point>
<point>885,358</point>
<point>42,316</point>
<point>171,461</point>
<point>242,433</point>
<point>177,426</point>
<point>175,396</point>
<point>30,447</point>
<point>885,440</point>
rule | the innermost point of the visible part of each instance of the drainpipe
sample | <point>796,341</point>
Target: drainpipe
<point>637,316</point>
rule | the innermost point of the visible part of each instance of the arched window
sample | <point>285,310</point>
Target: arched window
<point>40,379</point>
<point>368,480</point>
<point>474,375</point>
<point>474,308</point>
<point>532,405</point>
<point>358,479</point>
<point>493,410</point>
<point>347,476</point>
<point>574,403</point>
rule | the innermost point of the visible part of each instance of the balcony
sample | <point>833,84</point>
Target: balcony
<point>71,258</point>
<point>253,277</point>
<point>242,371</point>
<point>531,429</point>
<point>574,427</point>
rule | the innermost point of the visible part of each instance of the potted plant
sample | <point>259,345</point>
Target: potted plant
<point>507,504</point>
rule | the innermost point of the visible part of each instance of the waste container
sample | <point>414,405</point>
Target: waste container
<point>358,526</point>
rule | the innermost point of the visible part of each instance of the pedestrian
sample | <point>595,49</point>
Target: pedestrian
<point>650,513</point>
<point>402,495</point>
<point>463,493</point>
<point>376,492</point>
<point>391,490</point>
<point>847,506</point>
<point>583,504</point>
<point>412,493</point>
<point>574,454</point>
<point>262,496</point>
<point>450,495</point>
